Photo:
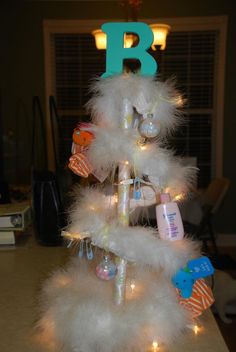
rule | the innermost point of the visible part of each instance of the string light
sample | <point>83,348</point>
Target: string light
<point>115,198</point>
<point>132,286</point>
<point>196,329</point>
<point>126,162</point>
<point>62,281</point>
<point>141,143</point>
<point>143,147</point>
<point>155,346</point>
<point>74,236</point>
<point>71,236</point>
<point>179,101</point>
<point>179,197</point>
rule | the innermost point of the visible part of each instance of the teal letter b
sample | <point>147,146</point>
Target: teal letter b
<point>116,53</point>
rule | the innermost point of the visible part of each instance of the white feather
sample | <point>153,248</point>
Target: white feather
<point>146,95</point>
<point>83,317</point>
<point>112,145</point>
<point>135,244</point>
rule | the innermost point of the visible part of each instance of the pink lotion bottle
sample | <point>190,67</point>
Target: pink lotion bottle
<point>169,221</point>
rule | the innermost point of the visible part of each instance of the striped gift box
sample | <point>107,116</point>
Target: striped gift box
<point>201,299</point>
<point>80,165</point>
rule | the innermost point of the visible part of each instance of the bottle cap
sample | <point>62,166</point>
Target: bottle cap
<point>165,198</point>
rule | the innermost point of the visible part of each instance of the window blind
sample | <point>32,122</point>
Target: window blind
<point>75,63</point>
<point>190,58</point>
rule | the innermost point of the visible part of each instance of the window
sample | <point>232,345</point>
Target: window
<point>76,62</point>
<point>191,56</point>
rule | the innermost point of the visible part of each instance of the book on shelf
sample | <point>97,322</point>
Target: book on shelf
<point>15,216</point>
<point>7,239</point>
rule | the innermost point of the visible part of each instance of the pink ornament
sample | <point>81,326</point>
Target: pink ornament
<point>106,270</point>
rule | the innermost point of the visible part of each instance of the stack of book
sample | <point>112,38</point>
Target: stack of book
<point>13,217</point>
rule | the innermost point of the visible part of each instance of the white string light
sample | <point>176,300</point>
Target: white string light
<point>155,346</point>
<point>196,329</point>
<point>132,286</point>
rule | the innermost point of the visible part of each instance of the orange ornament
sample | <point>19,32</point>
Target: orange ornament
<point>81,137</point>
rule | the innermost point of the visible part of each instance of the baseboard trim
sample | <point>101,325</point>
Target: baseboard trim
<point>226,240</point>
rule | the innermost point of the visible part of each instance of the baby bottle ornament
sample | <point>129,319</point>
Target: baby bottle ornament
<point>106,270</point>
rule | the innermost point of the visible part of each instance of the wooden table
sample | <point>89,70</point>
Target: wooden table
<point>22,272</point>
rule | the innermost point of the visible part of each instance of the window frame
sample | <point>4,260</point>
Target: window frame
<point>218,23</point>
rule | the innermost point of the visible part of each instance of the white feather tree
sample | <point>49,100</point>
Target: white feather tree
<point>80,313</point>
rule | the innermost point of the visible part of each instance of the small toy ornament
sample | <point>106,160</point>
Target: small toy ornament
<point>192,291</point>
<point>149,128</point>
<point>106,270</point>
<point>81,136</point>
<point>195,269</point>
<point>184,282</point>
<point>78,162</point>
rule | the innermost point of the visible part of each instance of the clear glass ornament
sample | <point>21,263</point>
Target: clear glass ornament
<point>149,127</point>
<point>106,270</point>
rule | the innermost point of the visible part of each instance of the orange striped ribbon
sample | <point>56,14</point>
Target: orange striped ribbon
<point>201,299</point>
<point>80,165</point>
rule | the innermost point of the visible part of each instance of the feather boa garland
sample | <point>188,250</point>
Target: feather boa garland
<point>79,314</point>
<point>111,146</point>
<point>94,215</point>
<point>145,94</point>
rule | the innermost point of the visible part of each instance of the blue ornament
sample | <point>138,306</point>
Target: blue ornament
<point>185,278</point>
<point>137,189</point>
<point>184,281</point>
<point>200,267</point>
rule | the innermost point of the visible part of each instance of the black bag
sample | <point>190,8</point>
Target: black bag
<point>4,192</point>
<point>46,201</point>
<point>47,208</point>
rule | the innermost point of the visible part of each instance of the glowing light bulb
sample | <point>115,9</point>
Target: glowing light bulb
<point>62,281</point>
<point>126,162</point>
<point>196,329</point>
<point>179,101</point>
<point>179,197</point>
<point>143,147</point>
<point>132,286</point>
<point>115,198</point>
<point>155,346</point>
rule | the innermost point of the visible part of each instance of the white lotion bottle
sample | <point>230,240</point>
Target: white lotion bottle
<point>169,221</point>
